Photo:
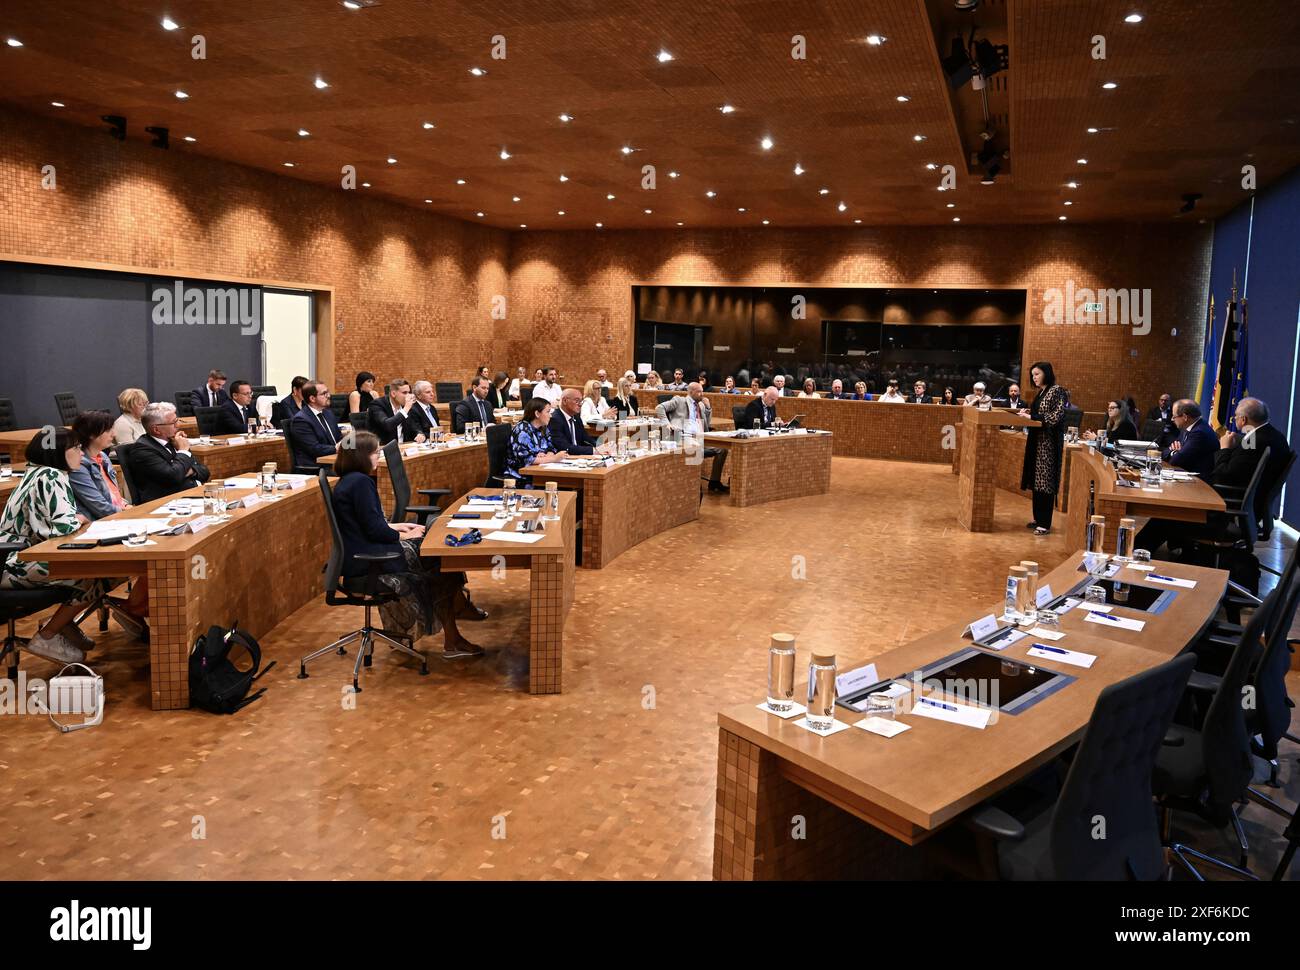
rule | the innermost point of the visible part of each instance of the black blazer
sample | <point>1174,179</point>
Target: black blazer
<point>418,423</point>
<point>1234,466</point>
<point>363,526</point>
<point>310,439</point>
<point>231,421</point>
<point>384,421</point>
<point>497,397</point>
<point>199,397</point>
<point>1197,451</point>
<point>158,471</point>
<point>923,399</point>
<point>468,410</point>
<point>1124,431</point>
<point>562,438</point>
<point>757,409</point>
<point>621,408</point>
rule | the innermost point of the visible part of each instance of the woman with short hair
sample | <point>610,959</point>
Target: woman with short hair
<point>364,396</point>
<point>594,407</point>
<point>809,388</point>
<point>127,428</point>
<point>860,391</point>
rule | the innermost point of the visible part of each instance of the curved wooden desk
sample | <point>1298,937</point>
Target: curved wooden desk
<point>458,466</point>
<point>226,460</point>
<point>911,786</point>
<point>777,466</point>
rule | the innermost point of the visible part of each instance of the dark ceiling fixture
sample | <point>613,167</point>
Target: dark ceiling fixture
<point>966,6</point>
<point>160,135</point>
<point>1189,202</point>
<point>116,126</point>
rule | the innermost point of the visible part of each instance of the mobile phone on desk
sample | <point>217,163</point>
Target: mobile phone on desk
<point>91,544</point>
<point>112,541</point>
<point>465,515</point>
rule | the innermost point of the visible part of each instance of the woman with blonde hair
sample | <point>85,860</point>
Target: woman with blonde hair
<point>594,407</point>
<point>624,401</point>
<point>127,428</point>
<point>652,381</point>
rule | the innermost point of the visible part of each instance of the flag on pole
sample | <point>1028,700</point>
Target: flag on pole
<point>1241,367</point>
<point>1209,361</point>
<point>1220,413</point>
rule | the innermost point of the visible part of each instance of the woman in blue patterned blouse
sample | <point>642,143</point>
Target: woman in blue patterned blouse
<point>530,441</point>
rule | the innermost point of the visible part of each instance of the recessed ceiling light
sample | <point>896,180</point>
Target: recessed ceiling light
<point>13,42</point>
<point>169,24</point>
<point>460,181</point>
<point>841,207</point>
<point>741,209</point>
<point>1133,18</point>
<point>1061,218</point>
<point>288,164</point>
<point>1093,131</point>
<point>1110,85</point>
<point>918,138</point>
<point>823,191</point>
<point>902,99</point>
<point>391,160</point>
<point>726,109</point>
<point>930,166</point>
<point>479,214</point>
<point>365,185</point>
<point>523,225</point>
<point>600,225</point>
<point>1068,202</point>
<point>710,193</point>
<point>626,149</point>
<point>427,125</point>
<point>765,222</point>
<point>1071,185</point>
<point>1082,161</point>
<point>190,138</point>
<point>303,132</point>
<point>857,222</point>
<point>766,143</point>
<point>321,84</point>
<point>477,71</point>
<point>560,213</point>
<point>648,211</point>
<point>798,169</point>
<point>664,57</point>
<point>514,198</point>
<point>352,4</point>
<point>57,104</point>
<point>429,201</point>
<point>505,155</point>
<point>875,40</point>
<point>610,197</point>
<point>181,95</point>
<point>952,205</point>
<point>672,175</point>
<point>956,218</point>
<point>564,178</point>
<point>566,117</point>
<point>681,223</point>
<point>942,188</point>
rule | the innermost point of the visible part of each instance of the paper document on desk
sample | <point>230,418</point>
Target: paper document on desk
<point>180,506</point>
<point>942,710</point>
<point>1119,622</point>
<point>1170,580</point>
<point>118,528</point>
<point>1072,657</point>
<point>242,483</point>
<point>516,536</point>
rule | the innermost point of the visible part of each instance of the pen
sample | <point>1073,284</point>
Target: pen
<point>946,707</point>
<point>1043,646</point>
<point>1167,579</point>
<point>1104,616</point>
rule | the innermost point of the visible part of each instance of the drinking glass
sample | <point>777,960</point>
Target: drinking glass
<point>552,502</point>
<point>1095,596</point>
<point>821,692</point>
<point>1142,555</point>
<point>137,537</point>
<point>1049,620</point>
<point>780,673</point>
<point>880,704</point>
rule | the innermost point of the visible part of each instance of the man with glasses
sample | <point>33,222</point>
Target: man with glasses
<point>315,430</point>
<point>161,462</point>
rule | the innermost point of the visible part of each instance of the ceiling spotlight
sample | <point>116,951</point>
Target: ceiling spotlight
<point>956,218</point>
<point>626,150</point>
<point>352,4</point>
<point>823,191</point>
<point>514,198</point>
<point>902,99</point>
<point>303,132</point>
<point>1067,202</point>
<point>673,175</point>
<point>13,42</point>
<point>477,71</point>
<point>116,126</point>
<point>609,197</point>
<point>1093,131</point>
<point>57,104</point>
<point>1133,18</point>
<point>169,24</point>
<point>427,201</point>
<point>710,193</point>
<point>1061,218</point>
<point>523,225</point>
<point>288,164</point>
<point>875,40</point>
<point>664,57</point>
<point>427,125</point>
<point>841,207</point>
<point>566,117</point>
<point>365,185</point>
<point>741,209</point>
<point>479,214</point>
<point>930,166</point>
<point>765,222</point>
<point>600,225</point>
<point>918,138</point>
<point>1110,86</point>
<point>160,136</point>
<point>460,181</point>
<point>1082,161</point>
<point>321,84</point>
<point>190,138</point>
<point>560,213</point>
<point>1071,185</point>
<point>798,169</point>
<point>181,95</point>
<point>952,205</point>
<point>766,143</point>
<point>681,223</point>
<point>392,161</point>
<point>726,109</point>
<point>648,211</point>
<point>857,222</point>
<point>564,178</point>
<point>505,155</point>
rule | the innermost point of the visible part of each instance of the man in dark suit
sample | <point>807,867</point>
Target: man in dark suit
<point>161,463</point>
<point>762,409</point>
<point>475,408</point>
<point>390,414</point>
<point>837,391</point>
<point>1196,445</point>
<point>918,394</point>
<point>315,430</point>
<point>234,414</point>
<point>212,394</point>
<point>1164,413</point>
<point>424,416</point>
<point>291,403</point>
<point>567,431</point>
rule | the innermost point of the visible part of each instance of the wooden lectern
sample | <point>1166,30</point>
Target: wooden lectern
<point>976,488</point>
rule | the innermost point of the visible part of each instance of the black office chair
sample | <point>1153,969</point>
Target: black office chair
<point>1240,530</point>
<point>402,490</point>
<point>661,398</point>
<point>359,420</point>
<point>498,448</point>
<point>290,439</point>
<point>1207,771</point>
<point>263,390</point>
<point>279,414</point>
<point>339,405</point>
<point>738,416</point>
<point>18,604</point>
<point>184,404</point>
<point>1073,416</point>
<point>1110,777</point>
<point>457,418</point>
<point>7,422</point>
<point>1267,501</point>
<point>446,392</point>
<point>365,591</point>
<point>65,403</point>
<point>207,419</point>
<point>1152,429</point>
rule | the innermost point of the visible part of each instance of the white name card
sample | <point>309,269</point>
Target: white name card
<point>982,627</point>
<point>785,350</point>
<point>854,680</point>
<point>238,440</point>
<point>1044,595</point>
<point>251,500</point>
<point>198,524</point>
<point>721,347</point>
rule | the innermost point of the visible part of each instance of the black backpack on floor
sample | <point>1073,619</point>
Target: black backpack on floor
<point>216,684</point>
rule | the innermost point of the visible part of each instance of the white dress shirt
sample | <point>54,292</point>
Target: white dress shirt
<point>549,392</point>
<point>591,411</point>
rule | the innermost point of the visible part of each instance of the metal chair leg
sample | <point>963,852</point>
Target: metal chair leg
<point>302,664</point>
<point>1241,838</point>
<point>1259,798</point>
<point>362,654</point>
<point>1179,849</point>
<point>404,649</point>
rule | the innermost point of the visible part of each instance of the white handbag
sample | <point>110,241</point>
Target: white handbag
<point>75,694</point>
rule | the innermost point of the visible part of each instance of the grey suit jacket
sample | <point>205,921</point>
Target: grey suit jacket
<point>677,412</point>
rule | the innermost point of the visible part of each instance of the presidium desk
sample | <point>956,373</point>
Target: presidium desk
<point>454,464</point>
<point>977,487</point>
<point>620,505</point>
<point>865,799</point>
<point>551,566</point>
<point>771,466</point>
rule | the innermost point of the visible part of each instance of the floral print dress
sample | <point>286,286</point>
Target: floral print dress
<point>526,443</point>
<point>1042,469</point>
<point>41,507</point>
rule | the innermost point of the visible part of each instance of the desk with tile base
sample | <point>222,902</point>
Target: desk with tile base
<point>977,486</point>
<point>620,505</point>
<point>775,466</point>
<point>551,566</point>
<point>231,455</point>
<point>457,466</point>
<point>866,799</point>
<point>257,568</point>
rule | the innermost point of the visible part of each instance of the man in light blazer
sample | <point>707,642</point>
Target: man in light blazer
<point>691,413</point>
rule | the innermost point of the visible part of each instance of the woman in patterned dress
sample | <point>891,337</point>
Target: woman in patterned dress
<point>44,507</point>
<point>530,441</point>
<point>1042,469</point>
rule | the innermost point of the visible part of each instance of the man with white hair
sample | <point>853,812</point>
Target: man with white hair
<point>762,409</point>
<point>161,462</point>
<point>602,378</point>
<point>979,398</point>
<point>423,417</point>
<point>779,383</point>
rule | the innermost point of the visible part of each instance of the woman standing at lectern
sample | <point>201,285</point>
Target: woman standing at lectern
<point>1042,470</point>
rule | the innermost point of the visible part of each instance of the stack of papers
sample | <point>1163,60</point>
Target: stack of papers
<point>180,506</point>
<point>120,528</point>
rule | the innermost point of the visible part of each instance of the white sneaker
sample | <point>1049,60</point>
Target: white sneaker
<point>56,648</point>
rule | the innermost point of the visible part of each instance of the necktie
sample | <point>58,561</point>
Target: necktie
<point>212,398</point>
<point>324,424</point>
<point>482,412</point>
<point>573,430</point>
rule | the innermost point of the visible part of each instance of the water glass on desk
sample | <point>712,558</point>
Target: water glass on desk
<point>821,692</point>
<point>138,536</point>
<point>780,672</point>
<point>509,498</point>
<point>880,704</point>
<point>552,502</point>
<point>1094,596</point>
